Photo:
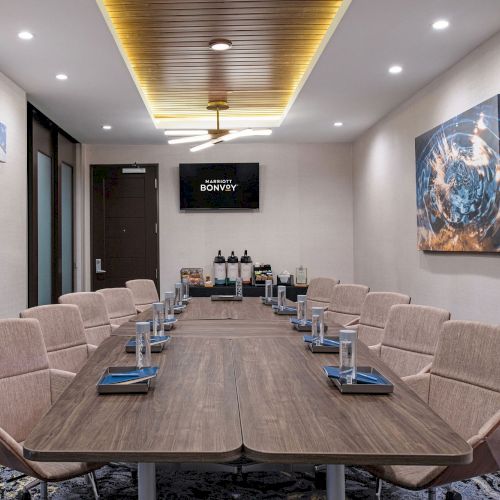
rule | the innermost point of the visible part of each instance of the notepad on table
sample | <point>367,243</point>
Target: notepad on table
<point>129,376</point>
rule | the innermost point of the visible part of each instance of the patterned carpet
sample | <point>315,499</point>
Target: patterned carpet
<point>117,482</point>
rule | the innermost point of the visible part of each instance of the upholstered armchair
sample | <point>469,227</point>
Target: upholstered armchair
<point>345,304</point>
<point>144,292</point>
<point>319,292</point>
<point>463,387</point>
<point>119,304</point>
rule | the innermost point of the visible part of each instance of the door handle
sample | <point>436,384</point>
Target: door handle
<point>98,267</point>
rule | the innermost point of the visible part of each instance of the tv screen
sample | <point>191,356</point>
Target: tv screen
<point>213,186</point>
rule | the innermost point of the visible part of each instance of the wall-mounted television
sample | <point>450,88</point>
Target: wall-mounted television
<point>213,186</point>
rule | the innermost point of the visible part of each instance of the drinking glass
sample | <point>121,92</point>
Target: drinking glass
<point>318,325</point>
<point>158,319</point>
<point>269,290</point>
<point>178,294</point>
<point>185,288</point>
<point>348,341</point>
<point>281,297</point>
<point>239,287</point>
<point>169,305</point>
<point>302,309</point>
<point>142,345</point>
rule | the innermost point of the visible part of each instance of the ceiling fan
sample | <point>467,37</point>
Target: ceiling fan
<point>214,136</point>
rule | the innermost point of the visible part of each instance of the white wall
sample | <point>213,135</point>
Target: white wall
<point>13,202</point>
<point>385,230</point>
<point>305,188</point>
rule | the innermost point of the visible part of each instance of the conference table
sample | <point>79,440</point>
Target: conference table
<point>237,381</point>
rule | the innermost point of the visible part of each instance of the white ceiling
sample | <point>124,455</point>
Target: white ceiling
<point>349,83</point>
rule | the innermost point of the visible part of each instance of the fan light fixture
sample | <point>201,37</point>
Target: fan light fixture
<point>220,44</point>
<point>215,136</point>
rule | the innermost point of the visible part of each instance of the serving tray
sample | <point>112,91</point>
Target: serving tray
<point>232,298</point>
<point>141,387</point>
<point>363,383</point>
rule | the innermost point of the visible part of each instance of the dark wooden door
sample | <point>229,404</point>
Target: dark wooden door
<point>124,224</point>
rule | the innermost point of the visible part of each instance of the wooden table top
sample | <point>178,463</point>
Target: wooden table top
<point>231,387</point>
<point>191,415</point>
<point>301,417</point>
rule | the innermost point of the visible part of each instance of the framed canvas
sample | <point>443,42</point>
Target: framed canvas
<point>457,181</point>
<point>3,142</point>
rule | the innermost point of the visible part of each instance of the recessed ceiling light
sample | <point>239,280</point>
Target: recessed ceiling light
<point>173,133</point>
<point>220,44</point>
<point>338,124</point>
<point>107,127</point>
<point>440,24</point>
<point>394,70</point>
<point>62,76</point>
<point>25,35</point>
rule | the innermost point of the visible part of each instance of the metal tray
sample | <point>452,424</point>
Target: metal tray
<point>231,298</point>
<point>137,388</point>
<point>286,312</point>
<point>154,348</point>
<point>166,326</point>
<point>324,348</point>
<point>306,328</point>
<point>179,309</point>
<point>269,302</point>
<point>360,388</point>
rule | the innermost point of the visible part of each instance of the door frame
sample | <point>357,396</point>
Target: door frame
<point>153,166</point>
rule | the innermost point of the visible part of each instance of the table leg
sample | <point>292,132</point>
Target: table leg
<point>146,474</point>
<point>335,482</point>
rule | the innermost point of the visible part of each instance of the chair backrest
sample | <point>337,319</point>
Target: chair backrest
<point>345,304</point>
<point>144,292</point>
<point>319,291</point>
<point>63,334</point>
<point>411,336</point>
<point>374,314</point>
<point>119,304</point>
<point>24,377</point>
<point>465,375</point>
<point>94,314</point>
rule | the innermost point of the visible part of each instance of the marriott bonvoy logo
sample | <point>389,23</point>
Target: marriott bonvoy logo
<point>218,185</point>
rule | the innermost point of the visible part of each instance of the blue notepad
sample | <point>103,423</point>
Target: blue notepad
<point>130,376</point>
<point>361,377</point>
<point>159,339</point>
<point>326,342</point>
<point>286,308</point>
<point>296,321</point>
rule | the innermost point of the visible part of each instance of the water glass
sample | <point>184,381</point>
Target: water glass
<point>142,345</point>
<point>158,319</point>
<point>185,288</point>
<point>269,289</point>
<point>318,325</point>
<point>178,294</point>
<point>302,309</point>
<point>281,297</point>
<point>239,287</point>
<point>169,305</point>
<point>348,342</point>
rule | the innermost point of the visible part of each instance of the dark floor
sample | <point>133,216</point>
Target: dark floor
<point>116,483</point>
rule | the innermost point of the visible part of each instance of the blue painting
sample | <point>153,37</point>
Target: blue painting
<point>458,182</point>
<point>3,143</point>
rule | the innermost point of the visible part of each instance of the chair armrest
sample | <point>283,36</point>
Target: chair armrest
<point>91,348</point>
<point>419,384</point>
<point>425,369</point>
<point>114,327</point>
<point>11,454</point>
<point>490,432</point>
<point>59,380</point>
<point>375,349</point>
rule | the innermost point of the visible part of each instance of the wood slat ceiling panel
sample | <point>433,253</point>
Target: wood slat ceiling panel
<point>166,44</point>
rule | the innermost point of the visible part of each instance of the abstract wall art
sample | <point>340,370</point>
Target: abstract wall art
<point>458,182</point>
<point>3,143</point>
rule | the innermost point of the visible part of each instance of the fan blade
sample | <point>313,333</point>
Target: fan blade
<point>205,145</point>
<point>194,138</point>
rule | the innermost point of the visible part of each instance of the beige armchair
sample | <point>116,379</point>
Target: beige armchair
<point>144,292</point>
<point>410,338</point>
<point>64,336</point>
<point>463,387</point>
<point>374,314</point>
<point>28,387</point>
<point>94,314</point>
<point>345,304</point>
<point>119,304</point>
<point>319,292</point>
